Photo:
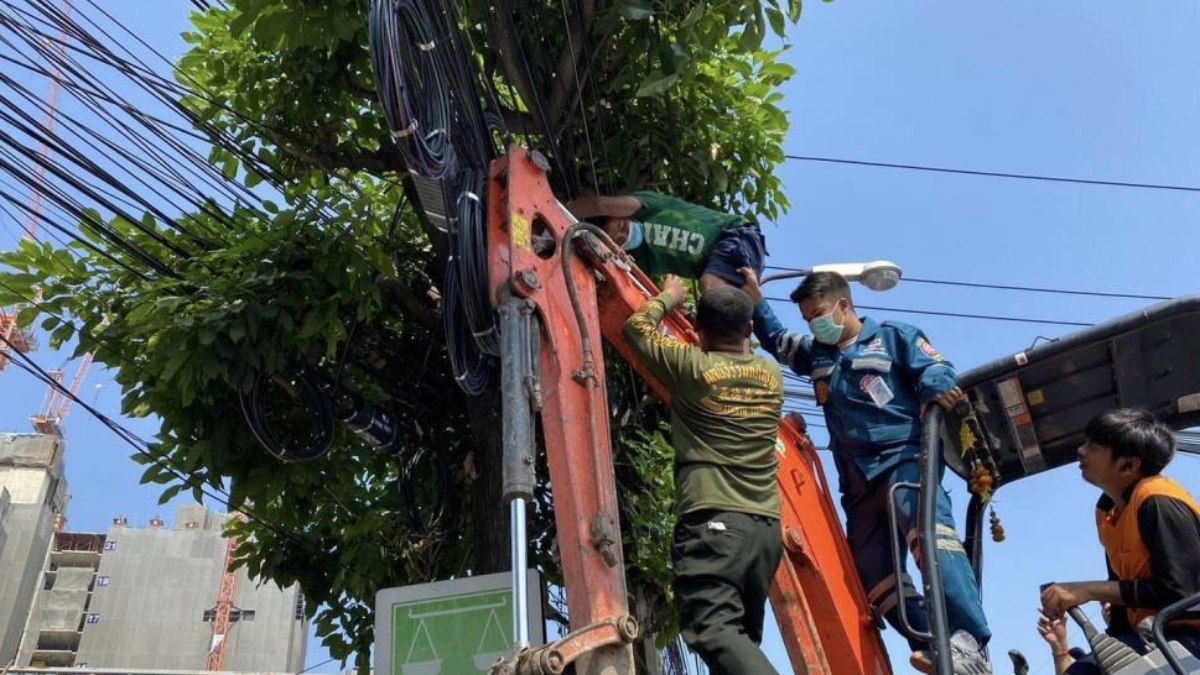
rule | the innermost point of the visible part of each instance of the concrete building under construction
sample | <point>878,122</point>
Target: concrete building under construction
<point>159,598</point>
<point>32,499</point>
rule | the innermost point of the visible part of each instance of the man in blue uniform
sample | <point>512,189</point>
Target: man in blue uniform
<point>873,381</point>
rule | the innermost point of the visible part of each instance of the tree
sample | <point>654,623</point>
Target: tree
<point>340,276</point>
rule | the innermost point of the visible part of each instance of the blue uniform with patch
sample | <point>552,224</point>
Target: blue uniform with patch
<point>878,386</point>
<point>872,393</point>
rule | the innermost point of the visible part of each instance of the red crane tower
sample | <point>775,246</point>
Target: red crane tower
<point>20,339</point>
<point>58,403</point>
<point>223,613</point>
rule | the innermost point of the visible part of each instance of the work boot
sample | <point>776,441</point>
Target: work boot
<point>965,653</point>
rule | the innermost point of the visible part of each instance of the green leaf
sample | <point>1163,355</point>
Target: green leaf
<point>169,494</point>
<point>633,10</point>
<point>795,7</point>
<point>720,178</point>
<point>240,23</point>
<point>656,83</point>
<point>779,71</point>
<point>778,25</point>
<point>270,29</point>
<point>229,167</point>
<point>237,331</point>
<point>314,321</point>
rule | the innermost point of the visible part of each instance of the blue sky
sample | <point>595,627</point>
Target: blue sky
<point>1071,89</point>
<point>1101,91</point>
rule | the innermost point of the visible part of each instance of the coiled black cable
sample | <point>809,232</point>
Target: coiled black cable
<point>412,83</point>
<point>472,258</point>
<point>429,503</point>
<point>290,416</point>
<point>471,368</point>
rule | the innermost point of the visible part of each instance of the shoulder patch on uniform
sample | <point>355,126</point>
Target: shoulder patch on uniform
<point>930,350</point>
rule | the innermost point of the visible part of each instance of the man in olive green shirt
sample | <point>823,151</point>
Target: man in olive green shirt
<point>724,422</point>
<point>667,235</point>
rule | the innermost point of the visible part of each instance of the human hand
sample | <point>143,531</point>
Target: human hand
<point>673,290</point>
<point>1054,632</point>
<point>1058,598</point>
<point>751,287</point>
<point>950,398</point>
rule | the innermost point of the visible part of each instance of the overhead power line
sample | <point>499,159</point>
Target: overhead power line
<point>1035,289</point>
<point>144,448</point>
<point>1007,287</point>
<point>960,315</point>
<point>995,174</point>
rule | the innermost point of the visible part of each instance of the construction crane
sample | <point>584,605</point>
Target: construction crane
<point>59,398</point>
<point>223,612</point>
<point>15,337</point>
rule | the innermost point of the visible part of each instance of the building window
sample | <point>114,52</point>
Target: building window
<point>235,614</point>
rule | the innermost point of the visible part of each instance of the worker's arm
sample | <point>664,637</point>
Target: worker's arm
<point>666,357</point>
<point>591,206</point>
<point>1169,529</point>
<point>927,370</point>
<point>790,349</point>
<point>1058,598</point>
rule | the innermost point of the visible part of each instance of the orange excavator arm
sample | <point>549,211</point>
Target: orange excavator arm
<point>562,286</point>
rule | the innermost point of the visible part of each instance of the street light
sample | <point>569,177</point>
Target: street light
<point>880,275</point>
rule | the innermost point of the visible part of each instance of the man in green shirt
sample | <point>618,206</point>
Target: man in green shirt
<point>725,411</point>
<point>666,235</point>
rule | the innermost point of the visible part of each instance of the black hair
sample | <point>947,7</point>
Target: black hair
<point>723,313</point>
<point>1132,432</point>
<point>822,286</point>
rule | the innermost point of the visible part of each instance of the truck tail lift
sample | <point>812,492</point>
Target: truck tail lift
<point>560,286</point>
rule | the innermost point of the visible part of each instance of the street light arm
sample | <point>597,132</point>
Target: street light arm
<point>880,275</point>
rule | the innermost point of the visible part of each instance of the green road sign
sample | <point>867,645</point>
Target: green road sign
<point>457,627</point>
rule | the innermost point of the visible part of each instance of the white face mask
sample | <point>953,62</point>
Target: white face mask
<point>637,235</point>
<point>824,329</point>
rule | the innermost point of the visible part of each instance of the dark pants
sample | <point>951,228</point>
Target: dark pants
<point>724,564</point>
<point>737,248</point>
<point>870,535</point>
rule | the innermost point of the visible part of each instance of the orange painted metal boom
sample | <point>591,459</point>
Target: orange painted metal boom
<point>817,597</point>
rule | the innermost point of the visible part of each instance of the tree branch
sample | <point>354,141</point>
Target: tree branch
<point>567,73</point>
<point>331,158</point>
<point>399,294</point>
<point>501,22</point>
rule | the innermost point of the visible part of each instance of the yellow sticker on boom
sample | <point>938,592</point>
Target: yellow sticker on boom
<point>1037,397</point>
<point>522,232</point>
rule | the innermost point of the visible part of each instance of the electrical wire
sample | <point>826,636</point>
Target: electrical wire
<point>994,174</point>
<point>1005,287</point>
<point>472,370</point>
<point>304,407</point>
<point>171,95</point>
<point>412,85</point>
<point>472,262</point>
<point>958,315</point>
<point>143,447</point>
<point>429,519</point>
